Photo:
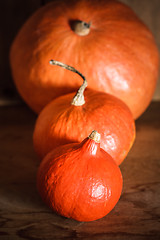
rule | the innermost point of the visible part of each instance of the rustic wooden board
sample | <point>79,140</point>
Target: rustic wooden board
<point>24,216</point>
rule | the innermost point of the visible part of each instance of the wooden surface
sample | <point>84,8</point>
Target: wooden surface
<point>15,13</point>
<point>24,216</point>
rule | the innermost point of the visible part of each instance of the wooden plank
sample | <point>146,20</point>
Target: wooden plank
<point>24,216</point>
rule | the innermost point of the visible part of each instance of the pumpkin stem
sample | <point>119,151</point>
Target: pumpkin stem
<point>95,136</point>
<point>81,28</point>
<point>78,99</point>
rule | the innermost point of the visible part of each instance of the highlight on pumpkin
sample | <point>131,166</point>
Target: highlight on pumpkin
<point>78,99</point>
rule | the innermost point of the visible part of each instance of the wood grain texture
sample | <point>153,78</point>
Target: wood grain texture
<point>24,216</point>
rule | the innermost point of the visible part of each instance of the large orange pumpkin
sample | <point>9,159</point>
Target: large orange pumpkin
<point>104,39</point>
<point>80,180</point>
<point>70,118</point>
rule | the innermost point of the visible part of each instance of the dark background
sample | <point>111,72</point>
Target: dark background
<point>15,13</point>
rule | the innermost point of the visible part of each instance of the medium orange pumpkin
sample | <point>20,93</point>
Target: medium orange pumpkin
<point>104,39</point>
<point>70,118</point>
<point>80,181</point>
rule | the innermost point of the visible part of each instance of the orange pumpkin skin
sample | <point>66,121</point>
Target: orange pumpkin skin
<point>80,181</point>
<point>118,56</point>
<point>60,123</point>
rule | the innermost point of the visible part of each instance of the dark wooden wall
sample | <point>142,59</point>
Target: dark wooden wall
<point>14,14</point>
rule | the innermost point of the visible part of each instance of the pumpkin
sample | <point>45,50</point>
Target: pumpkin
<point>80,180</point>
<point>104,39</point>
<point>64,118</point>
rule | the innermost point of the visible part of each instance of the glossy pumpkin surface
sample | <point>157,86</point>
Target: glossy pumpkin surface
<point>117,56</point>
<point>60,123</point>
<point>80,181</point>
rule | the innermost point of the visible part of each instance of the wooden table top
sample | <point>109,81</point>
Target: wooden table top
<point>23,215</point>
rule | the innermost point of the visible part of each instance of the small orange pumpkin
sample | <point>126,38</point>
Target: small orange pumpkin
<point>71,117</point>
<point>80,181</point>
<point>104,39</point>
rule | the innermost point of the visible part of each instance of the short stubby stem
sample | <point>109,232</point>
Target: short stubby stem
<point>91,144</point>
<point>95,136</point>
<point>81,28</point>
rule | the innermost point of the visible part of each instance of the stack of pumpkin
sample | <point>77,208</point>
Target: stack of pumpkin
<point>82,136</point>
